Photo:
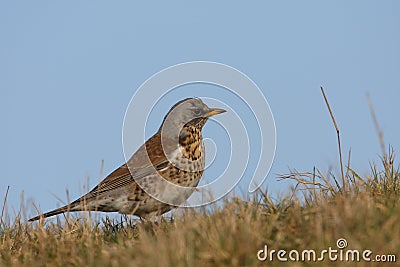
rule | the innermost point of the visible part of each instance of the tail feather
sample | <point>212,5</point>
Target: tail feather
<point>74,206</point>
<point>78,205</point>
<point>51,213</point>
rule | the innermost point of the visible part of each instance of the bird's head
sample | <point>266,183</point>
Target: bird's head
<point>189,112</point>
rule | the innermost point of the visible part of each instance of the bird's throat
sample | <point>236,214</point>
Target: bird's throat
<point>191,142</point>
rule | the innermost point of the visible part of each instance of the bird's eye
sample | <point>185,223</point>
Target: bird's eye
<point>197,111</point>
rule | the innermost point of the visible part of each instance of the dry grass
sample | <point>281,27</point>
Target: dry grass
<point>313,216</point>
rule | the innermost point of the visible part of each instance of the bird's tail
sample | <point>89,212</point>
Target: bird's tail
<point>52,213</point>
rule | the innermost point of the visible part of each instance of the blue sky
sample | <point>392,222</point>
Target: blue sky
<point>68,70</point>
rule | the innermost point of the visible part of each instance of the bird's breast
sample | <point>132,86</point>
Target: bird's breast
<point>191,144</point>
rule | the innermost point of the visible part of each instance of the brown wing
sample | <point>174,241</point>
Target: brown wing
<point>146,160</point>
<point>118,178</point>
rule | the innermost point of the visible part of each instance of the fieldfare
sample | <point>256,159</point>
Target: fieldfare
<point>146,185</point>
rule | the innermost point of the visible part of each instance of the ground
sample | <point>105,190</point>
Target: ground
<point>316,215</point>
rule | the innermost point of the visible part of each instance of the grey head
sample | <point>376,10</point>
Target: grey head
<point>182,126</point>
<point>188,112</point>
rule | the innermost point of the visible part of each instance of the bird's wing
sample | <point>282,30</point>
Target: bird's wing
<point>120,178</point>
<point>147,160</point>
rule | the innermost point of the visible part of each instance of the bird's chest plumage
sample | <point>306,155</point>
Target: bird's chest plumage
<point>188,161</point>
<point>191,144</point>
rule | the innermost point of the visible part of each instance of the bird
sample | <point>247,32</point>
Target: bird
<point>173,157</point>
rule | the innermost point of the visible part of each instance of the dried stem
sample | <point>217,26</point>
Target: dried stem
<point>338,138</point>
<point>376,124</point>
<point>4,205</point>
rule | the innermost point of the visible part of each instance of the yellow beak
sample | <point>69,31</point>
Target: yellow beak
<point>215,111</point>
